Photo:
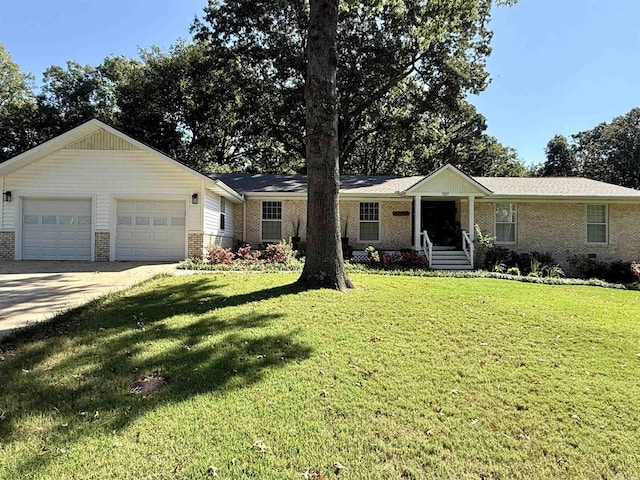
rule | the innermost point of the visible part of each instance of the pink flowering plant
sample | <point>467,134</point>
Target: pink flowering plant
<point>635,271</point>
<point>279,256</point>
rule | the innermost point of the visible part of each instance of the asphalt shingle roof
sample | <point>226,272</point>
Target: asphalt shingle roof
<point>555,187</point>
<point>360,184</point>
<point>500,186</point>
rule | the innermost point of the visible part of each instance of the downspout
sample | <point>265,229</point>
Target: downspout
<point>244,221</point>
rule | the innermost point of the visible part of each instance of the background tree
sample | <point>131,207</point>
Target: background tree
<point>17,106</point>
<point>611,151</point>
<point>184,103</point>
<point>404,65</point>
<point>561,159</point>
<point>324,265</point>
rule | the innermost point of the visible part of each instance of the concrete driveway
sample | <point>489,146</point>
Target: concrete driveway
<point>32,291</point>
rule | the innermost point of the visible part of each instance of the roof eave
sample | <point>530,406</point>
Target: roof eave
<point>572,198</point>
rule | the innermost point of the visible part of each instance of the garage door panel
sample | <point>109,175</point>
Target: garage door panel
<point>145,230</point>
<point>56,229</point>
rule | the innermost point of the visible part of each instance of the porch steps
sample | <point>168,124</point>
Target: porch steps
<point>447,258</point>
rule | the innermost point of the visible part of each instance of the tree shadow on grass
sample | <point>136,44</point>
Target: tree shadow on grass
<point>85,361</point>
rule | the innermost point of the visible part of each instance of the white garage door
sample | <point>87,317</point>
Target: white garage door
<point>56,229</point>
<point>150,230</point>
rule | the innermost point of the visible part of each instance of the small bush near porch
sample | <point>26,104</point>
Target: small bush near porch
<point>248,376</point>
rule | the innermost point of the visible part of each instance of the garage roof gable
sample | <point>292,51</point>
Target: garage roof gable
<point>96,133</point>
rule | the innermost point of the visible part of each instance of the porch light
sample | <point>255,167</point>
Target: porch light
<point>7,196</point>
<point>194,199</point>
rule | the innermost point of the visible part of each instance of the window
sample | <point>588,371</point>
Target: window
<point>596,224</point>
<point>369,230</point>
<point>506,222</point>
<point>223,212</point>
<point>271,221</point>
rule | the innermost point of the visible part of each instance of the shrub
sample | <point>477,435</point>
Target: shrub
<point>497,257</point>
<point>635,271</point>
<point>405,260</point>
<point>501,260</point>
<point>281,252</point>
<point>513,271</point>
<point>216,255</point>
<point>615,272</point>
<point>373,257</point>
<point>245,253</point>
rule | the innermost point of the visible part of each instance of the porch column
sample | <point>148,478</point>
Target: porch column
<point>472,220</point>
<point>417,216</point>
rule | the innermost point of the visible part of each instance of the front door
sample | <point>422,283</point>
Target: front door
<point>439,220</point>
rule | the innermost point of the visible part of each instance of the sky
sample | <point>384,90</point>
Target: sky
<point>557,67</point>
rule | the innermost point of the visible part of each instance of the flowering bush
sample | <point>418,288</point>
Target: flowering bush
<point>635,271</point>
<point>245,253</point>
<point>216,255</point>
<point>404,260</point>
<point>279,253</point>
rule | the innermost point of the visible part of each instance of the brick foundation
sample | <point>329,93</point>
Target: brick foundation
<point>195,245</point>
<point>7,245</point>
<point>102,247</point>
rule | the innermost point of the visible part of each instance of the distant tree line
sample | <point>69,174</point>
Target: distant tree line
<point>232,99</point>
<point>610,152</point>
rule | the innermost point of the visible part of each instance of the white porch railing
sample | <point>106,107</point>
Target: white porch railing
<point>467,246</point>
<point>427,246</point>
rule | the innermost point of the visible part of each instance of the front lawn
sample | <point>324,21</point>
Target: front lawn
<point>403,377</point>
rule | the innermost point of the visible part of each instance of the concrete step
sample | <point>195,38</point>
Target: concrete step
<point>435,263</point>
<point>448,254</point>
<point>449,260</point>
<point>448,267</point>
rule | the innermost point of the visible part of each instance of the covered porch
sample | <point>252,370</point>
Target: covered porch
<point>444,218</point>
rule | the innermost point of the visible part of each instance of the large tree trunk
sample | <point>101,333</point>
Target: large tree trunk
<point>324,265</point>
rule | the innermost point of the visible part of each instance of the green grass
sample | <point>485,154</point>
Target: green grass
<point>403,377</point>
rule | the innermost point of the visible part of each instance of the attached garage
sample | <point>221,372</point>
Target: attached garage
<point>95,194</point>
<point>56,229</point>
<point>150,230</point>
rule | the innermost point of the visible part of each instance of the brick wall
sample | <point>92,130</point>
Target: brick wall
<point>195,245</point>
<point>560,229</point>
<point>238,221</point>
<point>395,230</point>
<point>7,245</point>
<point>102,247</point>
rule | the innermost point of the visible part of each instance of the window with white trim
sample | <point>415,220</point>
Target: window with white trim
<point>505,216</point>
<point>369,228</point>
<point>271,221</point>
<point>597,224</point>
<point>223,212</point>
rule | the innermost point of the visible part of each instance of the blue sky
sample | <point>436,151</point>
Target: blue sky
<point>558,66</point>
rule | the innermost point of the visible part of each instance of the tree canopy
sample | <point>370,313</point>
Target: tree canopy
<point>609,152</point>
<point>561,159</point>
<point>405,69</point>
<point>233,98</point>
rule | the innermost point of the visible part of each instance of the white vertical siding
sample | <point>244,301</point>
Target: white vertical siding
<point>212,216</point>
<point>105,174</point>
<point>211,213</point>
<point>102,140</point>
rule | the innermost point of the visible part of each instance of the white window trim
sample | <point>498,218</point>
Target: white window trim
<point>515,224</point>
<point>606,225</point>
<point>266,240</point>
<point>379,222</point>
